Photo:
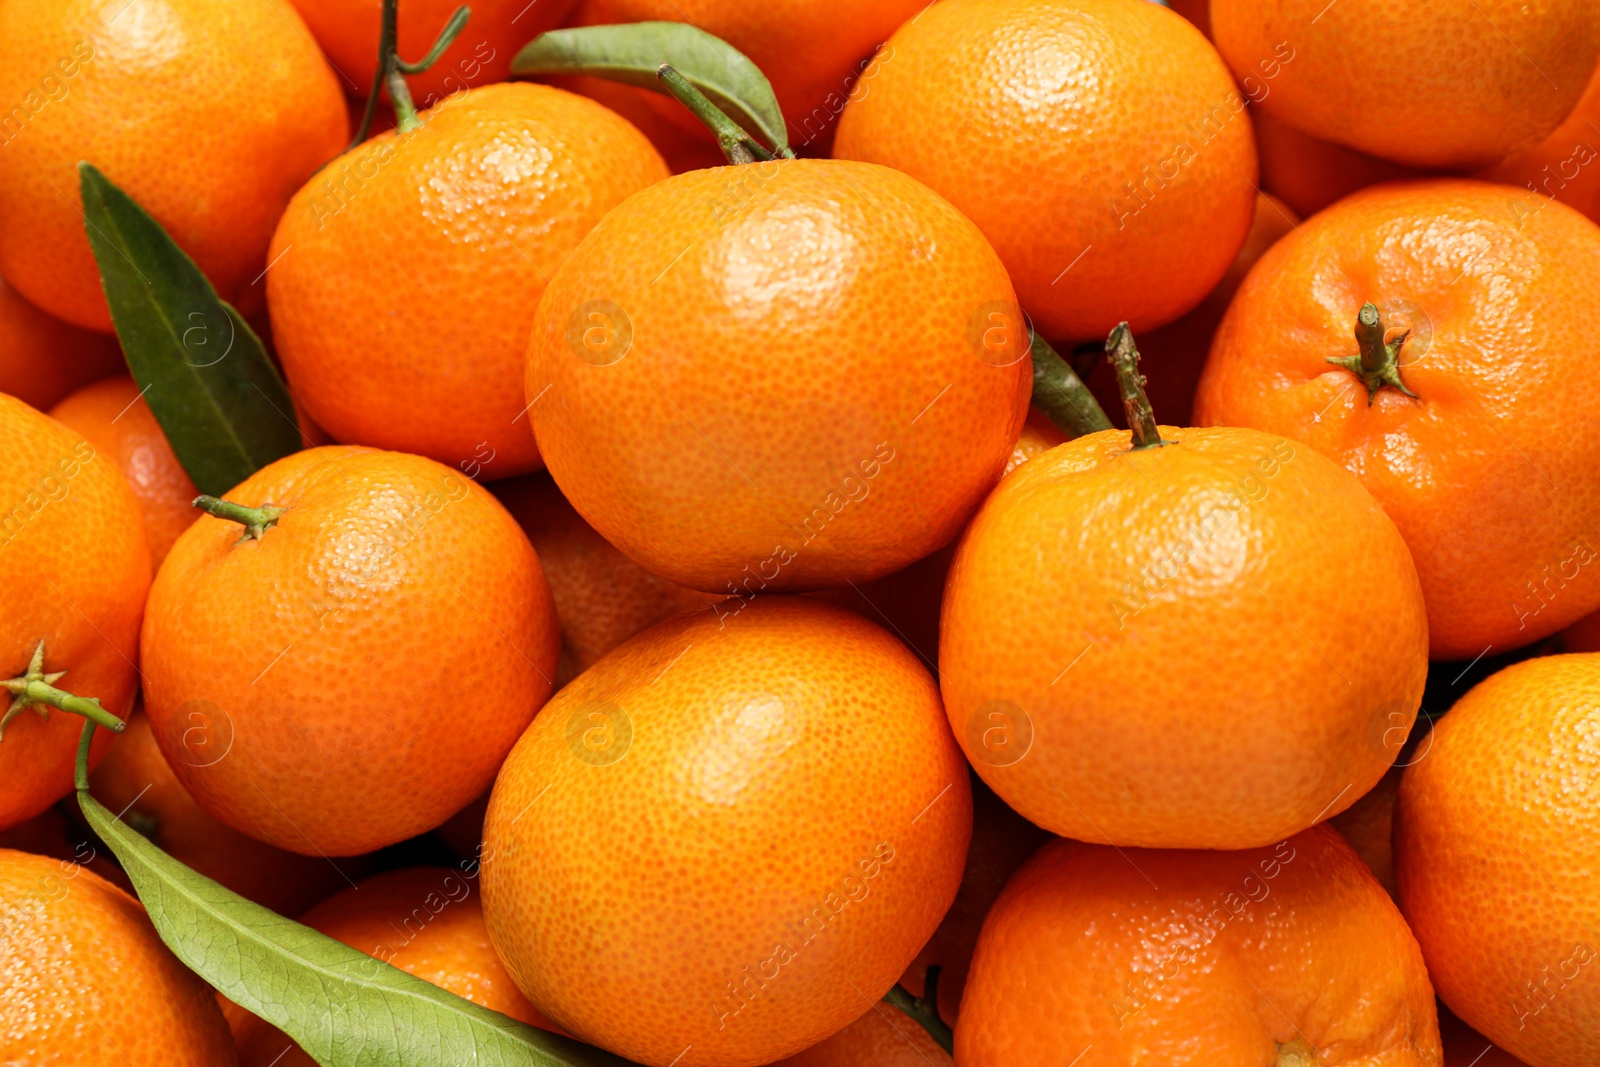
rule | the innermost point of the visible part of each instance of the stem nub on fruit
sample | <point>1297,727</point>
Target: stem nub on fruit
<point>924,1010</point>
<point>1378,364</point>
<point>392,69</point>
<point>256,521</point>
<point>737,145</point>
<point>1124,359</point>
<point>35,689</point>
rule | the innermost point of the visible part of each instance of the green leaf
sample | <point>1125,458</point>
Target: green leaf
<point>204,372</point>
<point>342,1006</point>
<point>632,52</point>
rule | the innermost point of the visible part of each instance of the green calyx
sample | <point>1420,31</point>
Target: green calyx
<point>392,69</point>
<point>256,521</point>
<point>1378,363</point>
<point>34,688</point>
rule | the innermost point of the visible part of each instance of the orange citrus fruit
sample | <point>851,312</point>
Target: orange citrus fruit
<point>75,568</point>
<point>87,981</point>
<point>427,921</point>
<point>602,597</point>
<point>487,197</point>
<point>113,416</point>
<point>883,1037</point>
<point>814,53</point>
<point>209,113</point>
<point>1528,66</point>
<point>1290,954</point>
<point>786,777</point>
<point>833,456</point>
<point>982,98</point>
<point>1180,566</point>
<point>1490,320</point>
<point>347,31</point>
<point>135,780</point>
<point>1368,825</point>
<point>355,674</point>
<point>1563,165</point>
<point>42,359</point>
<point>1496,841</point>
<point>1308,174</point>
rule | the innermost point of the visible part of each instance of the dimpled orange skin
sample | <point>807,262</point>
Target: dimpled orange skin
<point>981,97</point>
<point>1529,66</point>
<point>602,597</point>
<point>883,1037</point>
<point>487,198</point>
<point>812,51</point>
<point>112,415</point>
<point>75,568</point>
<point>1563,164</point>
<point>347,31</point>
<point>85,980</point>
<point>135,780</point>
<point>1180,567</point>
<point>826,358</point>
<point>209,113</point>
<point>1193,959</point>
<point>371,659</point>
<point>1309,174</point>
<point>42,359</point>
<point>427,921</point>
<point>786,764</point>
<point>1497,838</point>
<point>1499,294</point>
<point>1368,825</point>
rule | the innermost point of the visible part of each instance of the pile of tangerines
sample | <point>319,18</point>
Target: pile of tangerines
<point>1074,545</point>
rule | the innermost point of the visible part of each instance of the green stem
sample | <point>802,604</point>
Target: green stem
<point>256,521</point>
<point>1061,394</point>
<point>924,1010</point>
<point>35,688</point>
<point>80,769</point>
<point>1378,363</point>
<point>447,37</point>
<point>737,145</point>
<point>1124,358</point>
<point>392,69</point>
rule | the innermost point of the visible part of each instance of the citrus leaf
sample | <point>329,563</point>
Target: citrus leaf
<point>342,1006</point>
<point>632,52</point>
<point>204,372</point>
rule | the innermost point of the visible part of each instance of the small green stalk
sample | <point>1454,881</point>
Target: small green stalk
<point>1059,392</point>
<point>1378,363</point>
<point>737,145</point>
<point>34,688</point>
<point>256,521</point>
<point>392,69</point>
<point>924,1010</point>
<point>1124,359</point>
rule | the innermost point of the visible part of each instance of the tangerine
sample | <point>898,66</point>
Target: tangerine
<point>209,113</point>
<point>75,567</point>
<point>751,322</point>
<point>1459,401</point>
<point>747,827</point>
<point>491,192</point>
<point>364,656</point>
<point>1529,66</point>
<point>112,415</point>
<point>1496,839</point>
<point>983,96</point>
